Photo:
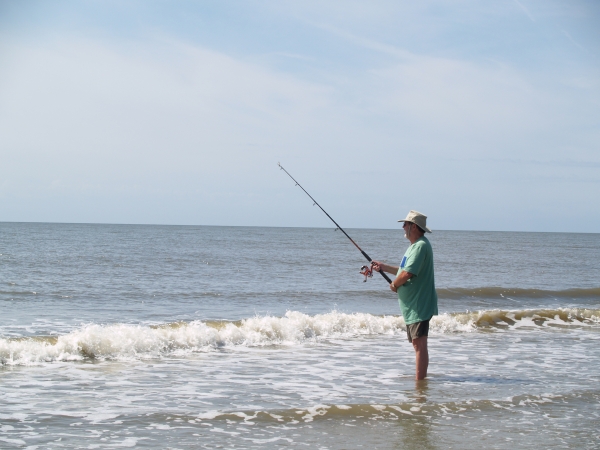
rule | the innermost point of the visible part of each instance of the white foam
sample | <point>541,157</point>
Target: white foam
<point>125,341</point>
<point>452,323</point>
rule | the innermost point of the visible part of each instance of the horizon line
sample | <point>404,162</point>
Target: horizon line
<point>279,226</point>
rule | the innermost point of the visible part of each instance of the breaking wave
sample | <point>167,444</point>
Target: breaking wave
<point>127,341</point>
<point>415,409</point>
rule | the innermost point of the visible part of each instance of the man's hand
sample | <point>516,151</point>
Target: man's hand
<point>402,278</point>
<point>378,266</point>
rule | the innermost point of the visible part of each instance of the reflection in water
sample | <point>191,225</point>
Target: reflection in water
<point>416,432</point>
<point>421,387</point>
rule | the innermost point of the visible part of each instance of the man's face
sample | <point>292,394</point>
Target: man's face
<point>407,227</point>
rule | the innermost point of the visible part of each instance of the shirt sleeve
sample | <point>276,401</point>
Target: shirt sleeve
<point>415,260</point>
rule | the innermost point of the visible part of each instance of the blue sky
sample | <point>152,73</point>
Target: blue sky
<point>483,115</point>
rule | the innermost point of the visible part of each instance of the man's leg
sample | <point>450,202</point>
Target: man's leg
<point>421,356</point>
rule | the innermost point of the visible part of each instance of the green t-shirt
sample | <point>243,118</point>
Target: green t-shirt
<point>417,297</point>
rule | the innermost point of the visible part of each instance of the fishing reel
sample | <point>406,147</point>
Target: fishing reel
<point>367,271</point>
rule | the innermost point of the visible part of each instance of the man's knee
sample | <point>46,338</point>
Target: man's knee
<point>420,343</point>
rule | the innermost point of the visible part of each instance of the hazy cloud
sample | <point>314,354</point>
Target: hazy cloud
<point>441,107</point>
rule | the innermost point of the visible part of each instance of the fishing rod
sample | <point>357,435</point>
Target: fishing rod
<point>366,271</point>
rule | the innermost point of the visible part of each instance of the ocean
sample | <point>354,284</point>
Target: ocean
<point>185,337</point>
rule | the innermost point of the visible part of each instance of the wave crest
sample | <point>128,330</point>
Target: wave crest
<point>494,319</point>
<point>495,292</point>
<point>126,341</point>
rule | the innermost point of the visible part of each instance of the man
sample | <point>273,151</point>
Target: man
<point>415,286</point>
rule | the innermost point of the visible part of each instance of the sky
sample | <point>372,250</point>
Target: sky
<point>481,115</point>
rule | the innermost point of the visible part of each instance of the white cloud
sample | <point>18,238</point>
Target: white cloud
<point>92,106</point>
<point>139,130</point>
<point>458,99</point>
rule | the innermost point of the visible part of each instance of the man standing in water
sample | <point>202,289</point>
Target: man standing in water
<point>415,286</point>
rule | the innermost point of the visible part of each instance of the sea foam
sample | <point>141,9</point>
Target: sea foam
<point>127,341</point>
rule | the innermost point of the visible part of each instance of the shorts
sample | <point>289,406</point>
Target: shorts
<point>417,330</point>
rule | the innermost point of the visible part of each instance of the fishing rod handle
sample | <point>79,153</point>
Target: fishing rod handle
<point>385,276</point>
<point>380,271</point>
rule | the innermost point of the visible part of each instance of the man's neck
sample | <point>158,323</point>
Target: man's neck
<point>415,239</point>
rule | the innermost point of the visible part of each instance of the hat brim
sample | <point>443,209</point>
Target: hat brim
<point>427,230</point>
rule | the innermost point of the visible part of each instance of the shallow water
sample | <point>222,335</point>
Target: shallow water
<point>193,337</point>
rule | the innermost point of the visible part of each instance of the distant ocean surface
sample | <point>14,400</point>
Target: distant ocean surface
<point>188,337</point>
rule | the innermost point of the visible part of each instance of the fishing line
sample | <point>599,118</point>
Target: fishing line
<point>364,269</point>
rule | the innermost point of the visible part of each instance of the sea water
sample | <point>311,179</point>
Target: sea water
<point>240,337</point>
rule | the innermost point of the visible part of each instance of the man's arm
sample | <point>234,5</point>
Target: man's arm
<point>379,266</point>
<point>402,278</point>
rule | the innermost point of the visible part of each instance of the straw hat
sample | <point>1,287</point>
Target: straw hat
<point>417,218</point>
